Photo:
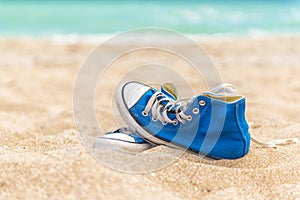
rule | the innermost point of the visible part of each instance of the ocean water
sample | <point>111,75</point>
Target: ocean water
<point>44,18</point>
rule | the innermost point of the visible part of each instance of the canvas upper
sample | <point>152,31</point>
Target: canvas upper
<point>210,124</point>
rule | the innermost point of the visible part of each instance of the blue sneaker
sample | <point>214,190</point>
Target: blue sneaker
<point>212,123</point>
<point>125,139</point>
<point>122,139</point>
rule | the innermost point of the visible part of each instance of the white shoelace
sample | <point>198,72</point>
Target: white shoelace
<point>273,143</point>
<point>230,89</point>
<point>156,110</point>
<point>159,112</point>
<point>156,107</point>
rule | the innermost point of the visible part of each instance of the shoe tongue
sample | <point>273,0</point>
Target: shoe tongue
<point>169,89</point>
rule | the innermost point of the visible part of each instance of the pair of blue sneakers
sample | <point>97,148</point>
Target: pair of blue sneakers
<point>211,124</point>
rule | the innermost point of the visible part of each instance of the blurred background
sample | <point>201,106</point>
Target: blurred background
<point>44,18</point>
<point>42,46</point>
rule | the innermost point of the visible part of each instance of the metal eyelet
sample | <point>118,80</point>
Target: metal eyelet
<point>189,118</point>
<point>176,122</point>
<point>144,114</point>
<point>202,103</point>
<point>154,119</point>
<point>164,123</point>
<point>195,110</point>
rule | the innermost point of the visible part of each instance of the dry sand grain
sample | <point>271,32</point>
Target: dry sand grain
<point>41,155</point>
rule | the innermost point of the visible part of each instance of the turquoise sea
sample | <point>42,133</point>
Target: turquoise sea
<point>43,18</point>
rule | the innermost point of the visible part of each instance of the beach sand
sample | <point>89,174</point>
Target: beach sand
<point>41,154</point>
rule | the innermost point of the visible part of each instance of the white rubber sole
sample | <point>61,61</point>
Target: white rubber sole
<point>112,144</point>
